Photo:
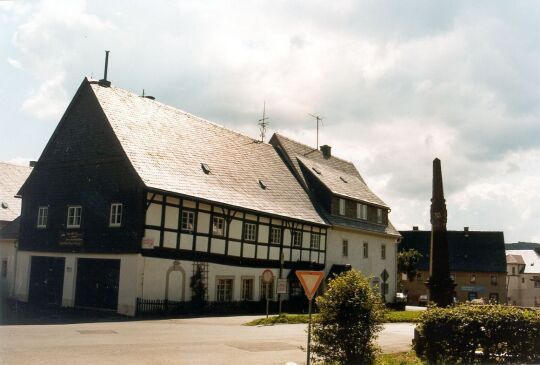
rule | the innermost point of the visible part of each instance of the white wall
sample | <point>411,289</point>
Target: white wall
<point>7,252</point>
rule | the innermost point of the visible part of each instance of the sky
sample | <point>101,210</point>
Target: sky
<point>398,83</point>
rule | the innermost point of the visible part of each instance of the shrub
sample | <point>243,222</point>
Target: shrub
<point>350,316</point>
<point>478,333</point>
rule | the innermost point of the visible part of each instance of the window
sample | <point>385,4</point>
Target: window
<point>224,290</point>
<point>74,217</point>
<point>188,219</point>
<point>345,248</point>
<point>4,268</point>
<point>537,283</point>
<point>275,235</point>
<point>379,215</point>
<point>217,226</point>
<point>315,241</point>
<point>341,206</point>
<point>383,252</point>
<point>473,278</point>
<point>247,289</point>
<point>296,238</point>
<point>43,213</point>
<point>116,215</point>
<point>522,280</point>
<point>267,289</point>
<point>249,231</point>
<point>513,270</point>
<point>493,279</point>
<point>361,211</point>
<point>366,250</point>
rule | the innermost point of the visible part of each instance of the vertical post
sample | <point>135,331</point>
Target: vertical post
<point>309,334</point>
<point>281,259</point>
<point>106,65</point>
<point>267,298</point>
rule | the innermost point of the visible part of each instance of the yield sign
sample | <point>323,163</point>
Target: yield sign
<point>310,281</point>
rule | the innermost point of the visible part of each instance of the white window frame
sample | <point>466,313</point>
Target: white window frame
<point>188,220</point>
<point>275,235</point>
<point>218,226</point>
<point>365,250</point>
<point>383,252</point>
<point>221,291</point>
<point>72,216</point>
<point>341,206</point>
<point>345,248</point>
<point>315,241</point>
<point>250,231</point>
<point>246,279</point>
<point>361,211</point>
<point>43,215</point>
<point>115,219</point>
<point>379,215</point>
<point>296,238</point>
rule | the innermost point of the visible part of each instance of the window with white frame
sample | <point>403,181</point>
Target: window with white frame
<point>218,226</point>
<point>247,289</point>
<point>43,213</point>
<point>188,219</point>
<point>383,252</point>
<point>341,206</point>
<point>250,230</point>
<point>366,250</point>
<point>315,241</point>
<point>345,248</point>
<point>361,211</point>
<point>116,215</point>
<point>74,216</point>
<point>296,238</point>
<point>379,215</point>
<point>267,289</point>
<point>224,290</point>
<point>275,235</point>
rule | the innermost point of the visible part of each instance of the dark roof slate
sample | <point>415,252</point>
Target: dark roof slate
<point>11,230</point>
<point>363,225</point>
<point>472,251</point>
<point>11,179</point>
<point>167,146</point>
<point>522,246</point>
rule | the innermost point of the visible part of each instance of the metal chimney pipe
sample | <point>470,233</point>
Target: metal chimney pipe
<point>106,65</point>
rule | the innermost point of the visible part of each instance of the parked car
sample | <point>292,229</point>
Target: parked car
<point>423,300</point>
<point>401,298</point>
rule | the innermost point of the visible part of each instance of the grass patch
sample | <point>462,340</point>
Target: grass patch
<point>400,358</point>
<point>391,317</point>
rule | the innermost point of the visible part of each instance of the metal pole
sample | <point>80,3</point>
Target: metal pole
<point>281,258</point>
<point>309,333</point>
<point>267,299</point>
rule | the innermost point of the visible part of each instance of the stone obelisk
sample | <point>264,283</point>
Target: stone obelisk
<point>441,287</point>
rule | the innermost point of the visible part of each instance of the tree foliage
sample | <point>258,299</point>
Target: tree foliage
<point>198,288</point>
<point>408,262</point>
<point>350,316</point>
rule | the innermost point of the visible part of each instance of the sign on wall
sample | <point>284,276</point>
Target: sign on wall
<point>282,286</point>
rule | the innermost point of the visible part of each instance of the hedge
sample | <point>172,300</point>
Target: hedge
<point>478,333</point>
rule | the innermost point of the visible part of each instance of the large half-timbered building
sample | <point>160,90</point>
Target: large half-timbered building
<point>130,196</point>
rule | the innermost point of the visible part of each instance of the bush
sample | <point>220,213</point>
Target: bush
<point>350,316</point>
<point>478,333</point>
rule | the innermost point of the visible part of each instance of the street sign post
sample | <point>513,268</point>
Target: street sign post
<point>267,278</point>
<point>310,281</point>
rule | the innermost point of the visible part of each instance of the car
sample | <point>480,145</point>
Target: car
<point>423,300</point>
<point>401,298</point>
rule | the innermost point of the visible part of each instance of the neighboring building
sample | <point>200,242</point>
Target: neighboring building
<point>137,195</point>
<point>523,281</point>
<point>477,264</point>
<point>361,236</point>
<point>11,179</point>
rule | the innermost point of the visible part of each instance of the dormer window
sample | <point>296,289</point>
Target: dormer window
<point>379,215</point>
<point>361,211</point>
<point>74,216</point>
<point>341,206</point>
<point>205,168</point>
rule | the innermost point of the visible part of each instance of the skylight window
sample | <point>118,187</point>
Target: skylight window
<point>316,170</point>
<point>262,184</point>
<point>343,179</point>
<point>205,168</point>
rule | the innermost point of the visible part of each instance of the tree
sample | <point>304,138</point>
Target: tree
<point>408,262</point>
<point>350,316</point>
<point>198,288</point>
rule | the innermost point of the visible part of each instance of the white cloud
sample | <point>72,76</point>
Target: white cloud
<point>48,101</point>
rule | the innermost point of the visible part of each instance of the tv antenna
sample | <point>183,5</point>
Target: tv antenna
<point>263,122</point>
<point>319,119</point>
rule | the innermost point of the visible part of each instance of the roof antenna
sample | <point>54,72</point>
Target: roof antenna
<point>319,119</point>
<point>104,81</point>
<point>263,122</point>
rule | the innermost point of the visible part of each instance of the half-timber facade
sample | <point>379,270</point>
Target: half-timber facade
<point>131,197</point>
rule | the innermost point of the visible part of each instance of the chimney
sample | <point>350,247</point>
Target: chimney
<point>415,228</point>
<point>32,163</point>
<point>466,229</point>
<point>326,151</point>
<point>104,82</point>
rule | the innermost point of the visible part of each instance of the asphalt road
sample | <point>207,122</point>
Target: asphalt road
<point>216,340</point>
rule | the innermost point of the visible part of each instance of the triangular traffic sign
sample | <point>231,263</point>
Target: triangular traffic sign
<point>310,281</point>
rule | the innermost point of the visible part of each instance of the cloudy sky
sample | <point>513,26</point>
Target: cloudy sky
<point>398,83</point>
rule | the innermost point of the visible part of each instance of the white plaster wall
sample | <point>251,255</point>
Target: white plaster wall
<point>203,222</point>
<point>171,217</point>
<point>235,229</point>
<point>7,252</point>
<point>373,265</point>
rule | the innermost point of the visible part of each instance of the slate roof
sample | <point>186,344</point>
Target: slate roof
<point>531,259</point>
<point>167,146</point>
<point>11,179</point>
<point>11,230</point>
<point>341,183</point>
<point>341,221</point>
<point>522,246</point>
<point>472,251</point>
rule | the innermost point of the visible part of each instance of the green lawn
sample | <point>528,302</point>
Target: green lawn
<point>401,358</point>
<point>391,316</point>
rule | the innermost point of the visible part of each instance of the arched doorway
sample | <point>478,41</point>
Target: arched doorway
<point>175,283</point>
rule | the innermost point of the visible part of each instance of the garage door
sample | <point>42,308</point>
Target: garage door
<point>97,283</point>
<point>46,280</point>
